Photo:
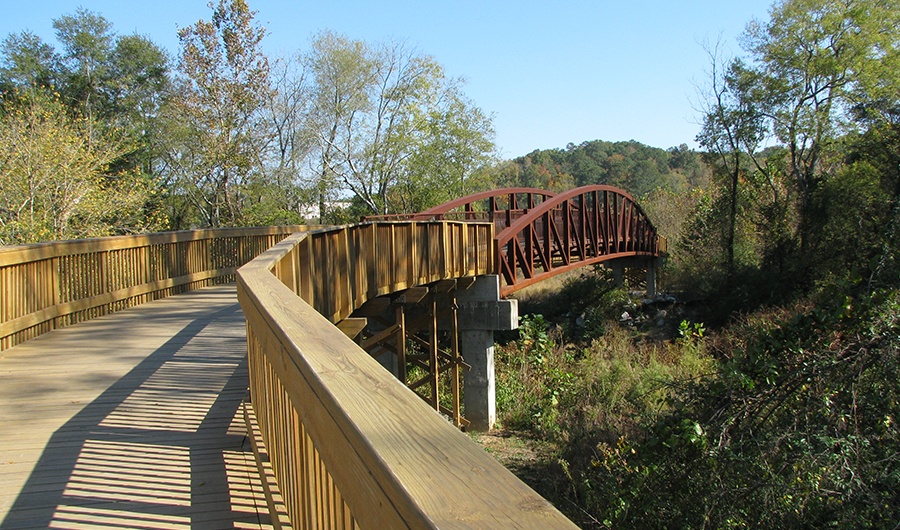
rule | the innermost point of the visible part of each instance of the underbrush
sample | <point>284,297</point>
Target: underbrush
<point>588,374</point>
<point>786,418</point>
<point>561,391</point>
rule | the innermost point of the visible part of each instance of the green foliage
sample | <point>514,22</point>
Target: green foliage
<point>27,61</point>
<point>594,297</point>
<point>214,122</point>
<point>797,429</point>
<point>699,249</point>
<point>85,115</point>
<point>534,378</point>
<point>632,166</point>
<point>263,213</point>
<point>794,425</point>
<point>689,332</point>
<point>391,128</point>
<point>570,392</point>
<point>776,216</point>
<point>590,401</point>
<point>87,42</point>
<point>55,177</point>
<point>115,81</point>
<point>868,182</point>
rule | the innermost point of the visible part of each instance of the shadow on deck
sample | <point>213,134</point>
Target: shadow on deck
<point>132,420</point>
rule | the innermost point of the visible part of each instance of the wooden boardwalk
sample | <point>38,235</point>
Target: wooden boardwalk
<point>132,420</point>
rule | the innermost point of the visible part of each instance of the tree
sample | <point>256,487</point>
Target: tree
<point>87,42</point>
<point>54,177</point>
<point>387,115</point>
<point>27,61</point>
<point>138,84</point>
<point>117,82</point>
<point>278,197</point>
<point>455,143</point>
<point>216,118</point>
<point>732,126</point>
<point>812,69</point>
<point>812,61</point>
<point>107,90</point>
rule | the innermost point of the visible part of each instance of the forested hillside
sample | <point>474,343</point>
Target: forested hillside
<point>632,166</point>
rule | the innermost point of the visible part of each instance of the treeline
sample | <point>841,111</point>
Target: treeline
<point>802,135</point>
<point>102,133</point>
<point>108,134</point>
<point>632,166</point>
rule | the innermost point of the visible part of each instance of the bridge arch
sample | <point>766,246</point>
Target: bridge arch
<point>580,227</point>
<point>501,206</point>
<point>539,234</point>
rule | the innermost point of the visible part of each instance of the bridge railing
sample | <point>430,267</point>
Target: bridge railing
<point>350,446</point>
<point>51,285</point>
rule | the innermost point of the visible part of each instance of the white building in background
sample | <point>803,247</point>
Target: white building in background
<point>312,215</point>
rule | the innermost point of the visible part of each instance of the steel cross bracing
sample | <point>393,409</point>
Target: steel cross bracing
<point>586,225</point>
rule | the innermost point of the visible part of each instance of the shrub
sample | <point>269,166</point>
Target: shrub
<point>533,375</point>
<point>796,429</point>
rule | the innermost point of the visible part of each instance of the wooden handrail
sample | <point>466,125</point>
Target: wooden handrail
<point>350,445</point>
<point>50,285</point>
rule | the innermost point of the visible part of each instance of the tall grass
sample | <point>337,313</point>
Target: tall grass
<point>603,389</point>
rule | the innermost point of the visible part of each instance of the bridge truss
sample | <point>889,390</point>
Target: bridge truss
<point>539,234</point>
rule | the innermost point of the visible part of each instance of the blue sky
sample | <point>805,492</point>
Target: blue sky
<point>550,73</point>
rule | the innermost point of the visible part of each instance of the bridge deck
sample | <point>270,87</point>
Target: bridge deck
<point>132,420</point>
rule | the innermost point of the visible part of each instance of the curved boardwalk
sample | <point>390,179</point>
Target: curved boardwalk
<point>132,420</point>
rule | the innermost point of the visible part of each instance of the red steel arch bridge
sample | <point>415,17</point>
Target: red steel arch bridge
<point>539,234</point>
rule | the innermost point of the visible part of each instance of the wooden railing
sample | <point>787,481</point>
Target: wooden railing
<point>350,446</point>
<point>50,285</point>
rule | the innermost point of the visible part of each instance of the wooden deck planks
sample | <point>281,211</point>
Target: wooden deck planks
<point>131,420</point>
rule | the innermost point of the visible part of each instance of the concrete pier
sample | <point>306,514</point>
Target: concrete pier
<point>481,312</point>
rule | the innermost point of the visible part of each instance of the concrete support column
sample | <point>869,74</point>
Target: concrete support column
<point>651,278</point>
<point>481,312</point>
<point>477,349</point>
<point>389,361</point>
<point>649,264</point>
<point>618,276</point>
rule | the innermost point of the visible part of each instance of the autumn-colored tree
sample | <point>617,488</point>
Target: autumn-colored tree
<point>55,180</point>
<point>216,126</point>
